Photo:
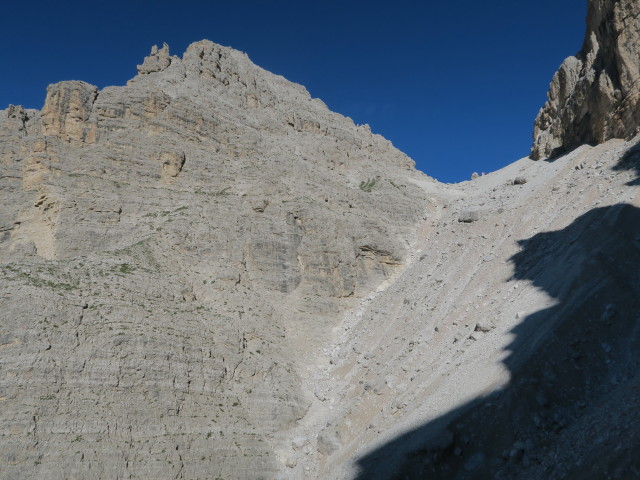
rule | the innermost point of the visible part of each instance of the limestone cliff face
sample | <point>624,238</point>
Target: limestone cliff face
<point>67,109</point>
<point>173,253</point>
<point>207,274</point>
<point>595,96</point>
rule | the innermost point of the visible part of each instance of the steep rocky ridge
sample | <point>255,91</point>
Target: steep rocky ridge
<point>595,95</point>
<point>172,253</point>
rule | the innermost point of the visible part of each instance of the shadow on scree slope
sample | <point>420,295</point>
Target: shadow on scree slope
<point>571,408</point>
<point>631,161</point>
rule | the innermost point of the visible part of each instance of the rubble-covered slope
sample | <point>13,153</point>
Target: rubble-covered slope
<point>509,346</point>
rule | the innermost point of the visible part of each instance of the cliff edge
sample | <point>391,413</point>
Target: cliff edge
<point>595,95</point>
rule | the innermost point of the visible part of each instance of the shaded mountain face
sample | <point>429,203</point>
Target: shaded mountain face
<point>595,95</point>
<point>568,409</point>
<point>173,252</point>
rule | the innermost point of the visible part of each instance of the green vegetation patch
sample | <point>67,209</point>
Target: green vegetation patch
<point>367,185</point>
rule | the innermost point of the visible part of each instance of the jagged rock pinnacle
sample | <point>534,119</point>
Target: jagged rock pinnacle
<point>157,60</point>
<point>595,95</point>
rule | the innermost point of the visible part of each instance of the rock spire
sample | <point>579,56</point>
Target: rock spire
<point>595,95</point>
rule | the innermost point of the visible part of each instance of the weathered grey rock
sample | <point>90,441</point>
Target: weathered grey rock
<point>172,252</point>
<point>157,60</point>
<point>484,327</point>
<point>172,163</point>
<point>328,441</point>
<point>17,119</point>
<point>468,216</point>
<point>67,109</point>
<point>595,95</point>
<point>299,443</point>
<point>519,181</point>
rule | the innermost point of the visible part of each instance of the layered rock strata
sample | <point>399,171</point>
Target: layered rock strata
<point>207,274</point>
<point>173,252</point>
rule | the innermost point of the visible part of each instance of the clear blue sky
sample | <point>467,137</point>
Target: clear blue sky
<point>455,85</point>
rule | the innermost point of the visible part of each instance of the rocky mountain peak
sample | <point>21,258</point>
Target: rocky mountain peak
<point>157,60</point>
<point>206,191</point>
